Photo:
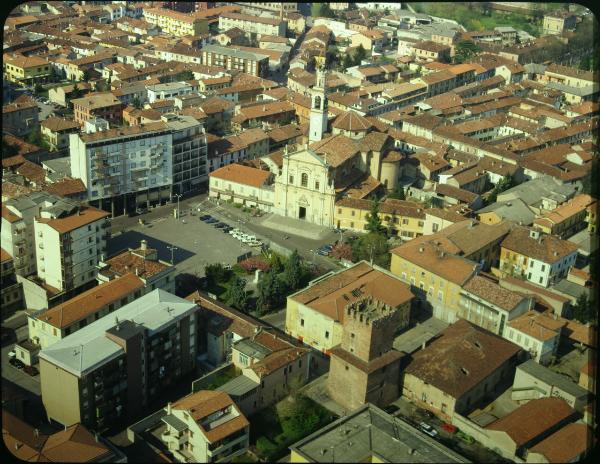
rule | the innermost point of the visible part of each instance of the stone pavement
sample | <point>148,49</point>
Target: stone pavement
<point>294,227</point>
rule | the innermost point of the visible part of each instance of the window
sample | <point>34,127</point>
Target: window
<point>291,179</point>
<point>339,210</point>
<point>347,368</point>
<point>301,322</point>
<point>304,179</point>
<point>543,267</point>
<point>353,212</point>
<point>243,359</point>
<point>326,334</point>
<point>316,185</point>
<point>541,279</point>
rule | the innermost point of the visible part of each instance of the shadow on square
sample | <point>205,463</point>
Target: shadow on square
<point>133,239</point>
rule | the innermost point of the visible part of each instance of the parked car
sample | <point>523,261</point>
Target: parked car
<point>464,437</point>
<point>30,370</point>
<point>16,363</point>
<point>449,428</point>
<point>428,429</point>
<point>391,409</point>
<point>12,354</point>
<point>227,229</point>
<point>219,225</point>
<point>212,220</point>
<point>205,217</point>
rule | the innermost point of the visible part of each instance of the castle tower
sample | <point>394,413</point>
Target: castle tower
<point>365,368</point>
<point>318,108</point>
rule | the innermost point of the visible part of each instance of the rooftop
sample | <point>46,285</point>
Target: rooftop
<point>567,444</point>
<point>370,433</point>
<point>89,348</point>
<point>242,175</point>
<point>550,377</point>
<point>546,248</point>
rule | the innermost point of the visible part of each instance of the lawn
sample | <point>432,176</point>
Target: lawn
<point>275,428</point>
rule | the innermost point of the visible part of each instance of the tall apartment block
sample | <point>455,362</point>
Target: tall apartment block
<point>135,167</point>
<point>115,367</point>
<point>364,367</point>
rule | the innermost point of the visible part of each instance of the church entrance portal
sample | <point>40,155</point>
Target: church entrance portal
<point>302,212</point>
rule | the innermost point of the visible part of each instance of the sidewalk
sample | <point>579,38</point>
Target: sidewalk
<point>295,227</point>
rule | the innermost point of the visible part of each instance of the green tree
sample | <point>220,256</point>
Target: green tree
<point>236,295</point>
<point>215,274</point>
<point>292,273</point>
<point>35,138</point>
<point>359,55</point>
<point>372,246</point>
<point>505,183</point>
<point>465,49</point>
<point>321,10</point>
<point>186,75</point>
<point>347,62</point>
<point>583,310</point>
<point>38,89</point>
<point>398,193</point>
<point>270,294</point>
<point>136,103</point>
<point>373,220</point>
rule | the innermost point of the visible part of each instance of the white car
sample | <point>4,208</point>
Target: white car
<point>255,243</point>
<point>428,429</point>
<point>234,231</point>
<point>12,354</point>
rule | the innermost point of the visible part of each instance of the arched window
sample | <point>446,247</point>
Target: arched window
<point>317,103</point>
<point>304,179</point>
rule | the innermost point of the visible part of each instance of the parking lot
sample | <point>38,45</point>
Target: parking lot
<point>196,243</point>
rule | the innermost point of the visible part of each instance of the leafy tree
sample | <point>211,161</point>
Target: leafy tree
<point>465,49</point>
<point>86,76</point>
<point>360,54</point>
<point>373,220</point>
<point>8,149</point>
<point>398,193</point>
<point>136,103</point>
<point>270,294</point>
<point>186,75</point>
<point>505,183</point>
<point>342,251</point>
<point>276,263</point>
<point>372,245</point>
<point>38,89</point>
<point>35,138</point>
<point>347,62</point>
<point>292,273</point>
<point>583,310</point>
<point>321,10</point>
<point>215,273</point>
<point>236,295</point>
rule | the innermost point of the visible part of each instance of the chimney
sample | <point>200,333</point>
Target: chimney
<point>36,433</point>
<point>423,345</point>
<point>97,437</point>
<point>169,407</point>
<point>144,245</point>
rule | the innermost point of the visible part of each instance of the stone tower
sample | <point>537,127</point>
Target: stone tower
<point>365,367</point>
<point>318,108</point>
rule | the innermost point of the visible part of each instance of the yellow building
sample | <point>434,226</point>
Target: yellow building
<point>314,315</point>
<point>403,218</point>
<point>26,70</point>
<point>435,276</point>
<point>175,23</point>
<point>569,218</point>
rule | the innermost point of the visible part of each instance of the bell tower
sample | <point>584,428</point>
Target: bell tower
<point>318,102</point>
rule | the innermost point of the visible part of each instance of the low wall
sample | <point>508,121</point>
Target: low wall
<point>203,382</point>
<point>144,424</point>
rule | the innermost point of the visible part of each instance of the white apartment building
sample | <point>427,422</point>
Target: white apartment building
<point>69,241</point>
<point>252,25</point>
<point>537,333</point>
<point>125,169</point>
<point>17,232</point>
<point>168,90</point>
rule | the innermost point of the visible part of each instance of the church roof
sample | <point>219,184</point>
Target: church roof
<point>337,149</point>
<point>351,121</point>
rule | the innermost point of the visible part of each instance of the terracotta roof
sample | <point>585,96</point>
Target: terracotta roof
<point>90,301</point>
<point>9,215</point>
<point>4,255</point>
<point>242,175</point>
<point>66,187</point>
<point>331,295</point>
<point>491,291</point>
<point>203,403</point>
<point>129,261</point>
<point>388,206</point>
<point>351,121</point>
<point>32,172</point>
<point>277,360</point>
<point>59,124</point>
<point>368,367</point>
<point>567,444</point>
<point>461,358</point>
<point>533,419</point>
<point>337,148</point>
<point>547,248</point>
<point>83,217</point>
<point>540,326</point>
<point>429,256</point>
<point>99,100</point>
<point>454,192</point>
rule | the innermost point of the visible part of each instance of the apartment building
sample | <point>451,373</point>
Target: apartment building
<point>26,70</point>
<point>206,426</point>
<point>62,95</point>
<point>541,259</point>
<point>243,185</point>
<point>49,326</point>
<point>18,237</point>
<point>315,315</point>
<point>20,117</point>
<point>101,105</point>
<point>69,241</point>
<point>11,291</point>
<point>567,219</point>
<point>253,26</point>
<point>231,58</point>
<point>404,219</point>
<point>537,333</point>
<point>56,131</point>
<point>175,23</point>
<point>435,276</point>
<point>556,23</point>
<point>275,113</point>
<point>116,366</point>
<point>168,90</point>
<point>134,167</point>
<point>458,370</point>
<point>144,262</point>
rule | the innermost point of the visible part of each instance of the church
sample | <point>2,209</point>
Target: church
<point>354,161</point>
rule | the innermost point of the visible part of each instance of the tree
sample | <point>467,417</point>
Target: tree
<point>186,75</point>
<point>236,295</point>
<point>38,89</point>
<point>372,246</point>
<point>505,183</point>
<point>359,55</point>
<point>270,294</point>
<point>35,138</point>
<point>583,310</point>
<point>292,273</point>
<point>321,10</point>
<point>76,92</point>
<point>465,49</point>
<point>398,193</point>
<point>215,273</point>
<point>137,104</point>
<point>342,251</point>
<point>373,220</point>
<point>347,62</point>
